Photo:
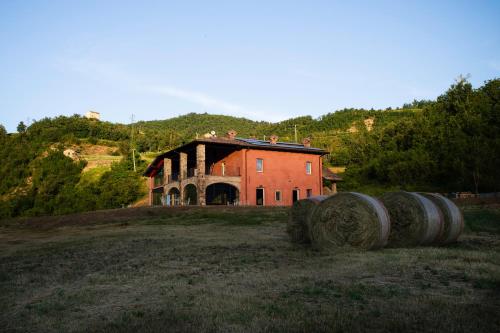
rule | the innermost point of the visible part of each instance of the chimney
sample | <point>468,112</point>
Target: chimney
<point>306,142</point>
<point>231,134</point>
<point>273,139</point>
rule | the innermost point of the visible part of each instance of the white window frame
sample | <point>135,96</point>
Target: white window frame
<point>308,170</point>
<point>223,168</point>
<point>280,195</point>
<point>257,164</point>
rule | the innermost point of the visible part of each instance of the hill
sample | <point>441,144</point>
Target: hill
<point>450,144</point>
<point>87,160</point>
<point>163,134</point>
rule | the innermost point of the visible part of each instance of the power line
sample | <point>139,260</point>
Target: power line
<point>132,143</point>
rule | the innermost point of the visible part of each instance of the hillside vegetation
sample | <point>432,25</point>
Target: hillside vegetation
<point>164,134</point>
<point>450,144</point>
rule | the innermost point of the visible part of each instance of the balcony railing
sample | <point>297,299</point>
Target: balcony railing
<point>227,171</point>
<point>191,172</point>
<point>172,178</point>
<point>158,180</point>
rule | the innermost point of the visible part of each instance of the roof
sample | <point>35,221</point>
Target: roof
<point>330,175</point>
<point>237,143</point>
<point>281,145</point>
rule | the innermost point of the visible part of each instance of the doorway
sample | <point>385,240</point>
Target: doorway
<point>295,195</point>
<point>259,195</point>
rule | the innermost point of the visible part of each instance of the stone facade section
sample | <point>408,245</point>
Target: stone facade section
<point>200,174</point>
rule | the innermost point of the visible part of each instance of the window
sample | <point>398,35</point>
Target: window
<point>277,195</point>
<point>260,165</point>
<point>308,168</point>
<point>309,193</point>
<point>295,195</point>
<point>223,169</point>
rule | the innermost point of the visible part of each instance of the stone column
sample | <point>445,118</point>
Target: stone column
<point>200,174</point>
<point>183,166</point>
<point>200,159</point>
<point>167,170</point>
<point>183,175</point>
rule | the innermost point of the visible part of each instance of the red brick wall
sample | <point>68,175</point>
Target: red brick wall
<point>283,171</point>
<point>233,165</point>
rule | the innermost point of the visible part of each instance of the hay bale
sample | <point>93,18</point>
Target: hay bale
<point>349,219</point>
<point>453,220</point>
<point>298,221</point>
<point>415,220</point>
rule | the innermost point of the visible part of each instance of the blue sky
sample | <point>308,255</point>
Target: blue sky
<point>268,60</point>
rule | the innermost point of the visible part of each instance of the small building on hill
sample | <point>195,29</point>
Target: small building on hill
<point>93,115</point>
<point>236,171</point>
<point>332,178</point>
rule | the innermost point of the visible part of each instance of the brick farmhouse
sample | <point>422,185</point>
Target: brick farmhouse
<point>235,171</point>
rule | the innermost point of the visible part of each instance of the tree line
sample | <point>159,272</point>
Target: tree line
<point>452,145</point>
<point>38,179</point>
<point>449,144</point>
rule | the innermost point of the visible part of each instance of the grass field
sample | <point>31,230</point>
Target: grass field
<point>233,270</point>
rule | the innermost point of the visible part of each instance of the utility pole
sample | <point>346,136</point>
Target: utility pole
<point>132,143</point>
<point>295,129</point>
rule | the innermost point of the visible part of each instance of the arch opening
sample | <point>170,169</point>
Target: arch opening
<point>190,195</point>
<point>222,194</point>
<point>158,196</point>
<point>173,197</point>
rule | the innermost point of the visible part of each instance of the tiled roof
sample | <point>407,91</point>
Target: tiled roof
<point>330,175</point>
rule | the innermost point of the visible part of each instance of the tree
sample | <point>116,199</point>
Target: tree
<point>21,127</point>
<point>54,179</point>
<point>3,132</point>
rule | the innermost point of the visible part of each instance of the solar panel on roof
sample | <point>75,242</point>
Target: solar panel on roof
<point>263,143</point>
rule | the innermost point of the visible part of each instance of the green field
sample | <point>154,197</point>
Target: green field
<point>233,270</point>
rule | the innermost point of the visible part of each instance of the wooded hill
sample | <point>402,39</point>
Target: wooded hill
<point>449,144</point>
<point>164,134</point>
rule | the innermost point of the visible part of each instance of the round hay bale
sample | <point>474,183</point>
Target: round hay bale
<point>415,220</point>
<point>298,221</point>
<point>350,219</point>
<point>453,220</point>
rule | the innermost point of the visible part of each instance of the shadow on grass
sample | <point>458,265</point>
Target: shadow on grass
<point>229,218</point>
<point>482,220</point>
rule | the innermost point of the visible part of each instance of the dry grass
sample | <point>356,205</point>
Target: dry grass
<point>234,270</point>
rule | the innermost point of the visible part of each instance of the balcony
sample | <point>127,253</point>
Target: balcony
<point>158,180</point>
<point>220,171</point>
<point>224,171</point>
<point>191,172</point>
<point>172,178</point>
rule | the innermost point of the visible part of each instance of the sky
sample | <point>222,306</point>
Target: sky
<point>264,60</point>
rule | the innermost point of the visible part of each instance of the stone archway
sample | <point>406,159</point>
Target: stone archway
<point>222,194</point>
<point>173,197</point>
<point>190,195</point>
